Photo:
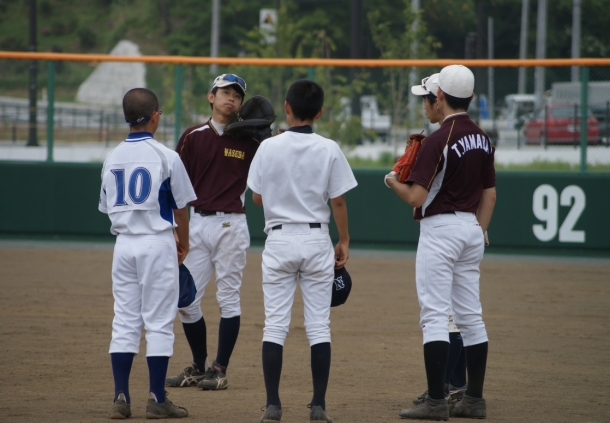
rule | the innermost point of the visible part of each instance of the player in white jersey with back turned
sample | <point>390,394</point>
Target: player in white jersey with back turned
<point>293,175</point>
<point>145,190</point>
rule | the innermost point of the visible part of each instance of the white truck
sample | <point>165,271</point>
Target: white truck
<point>504,129</point>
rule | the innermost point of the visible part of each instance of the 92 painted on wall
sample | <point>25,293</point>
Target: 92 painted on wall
<point>548,209</point>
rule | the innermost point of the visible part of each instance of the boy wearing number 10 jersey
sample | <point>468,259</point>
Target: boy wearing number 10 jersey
<point>145,190</point>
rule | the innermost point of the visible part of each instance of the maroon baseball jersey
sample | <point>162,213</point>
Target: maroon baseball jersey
<point>217,166</point>
<point>455,164</point>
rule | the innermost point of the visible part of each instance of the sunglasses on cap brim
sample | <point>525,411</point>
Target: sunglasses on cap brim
<point>235,79</point>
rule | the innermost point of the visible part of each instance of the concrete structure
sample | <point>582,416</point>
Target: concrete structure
<point>111,80</point>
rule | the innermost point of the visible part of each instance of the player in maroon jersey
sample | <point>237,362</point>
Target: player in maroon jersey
<point>452,186</point>
<point>218,168</point>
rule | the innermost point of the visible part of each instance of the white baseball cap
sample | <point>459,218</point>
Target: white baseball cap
<point>227,79</point>
<point>457,81</point>
<point>429,85</point>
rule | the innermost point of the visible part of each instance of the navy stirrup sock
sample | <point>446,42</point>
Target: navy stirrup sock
<point>456,366</point>
<point>227,337</point>
<point>320,370</point>
<point>476,363</point>
<point>436,354</point>
<point>121,368</point>
<point>196,335</point>
<point>157,370</point>
<point>272,370</point>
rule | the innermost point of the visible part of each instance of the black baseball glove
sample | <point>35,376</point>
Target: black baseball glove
<point>253,120</point>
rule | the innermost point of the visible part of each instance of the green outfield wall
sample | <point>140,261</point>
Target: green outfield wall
<point>535,210</point>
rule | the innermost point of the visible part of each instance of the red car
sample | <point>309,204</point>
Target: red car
<point>560,126</point>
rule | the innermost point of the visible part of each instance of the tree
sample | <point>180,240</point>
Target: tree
<point>394,43</point>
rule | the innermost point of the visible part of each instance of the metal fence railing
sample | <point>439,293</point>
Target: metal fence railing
<point>369,109</point>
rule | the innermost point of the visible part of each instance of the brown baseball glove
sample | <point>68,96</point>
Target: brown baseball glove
<point>403,166</point>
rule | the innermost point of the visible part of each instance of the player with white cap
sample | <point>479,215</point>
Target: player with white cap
<point>455,376</point>
<point>452,186</point>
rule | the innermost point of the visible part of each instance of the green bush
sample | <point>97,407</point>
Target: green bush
<point>87,38</point>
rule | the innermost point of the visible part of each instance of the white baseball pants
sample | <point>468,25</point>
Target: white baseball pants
<point>218,242</point>
<point>447,275</point>
<point>145,289</point>
<point>297,249</point>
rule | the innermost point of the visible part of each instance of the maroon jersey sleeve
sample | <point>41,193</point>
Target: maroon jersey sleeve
<point>184,151</point>
<point>429,159</point>
<point>454,164</point>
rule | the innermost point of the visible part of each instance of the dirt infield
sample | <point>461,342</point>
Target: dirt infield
<point>548,323</point>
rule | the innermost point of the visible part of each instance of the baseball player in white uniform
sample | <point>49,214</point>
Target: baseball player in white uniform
<point>145,190</point>
<point>452,186</point>
<point>293,175</point>
<point>217,165</point>
<point>455,377</point>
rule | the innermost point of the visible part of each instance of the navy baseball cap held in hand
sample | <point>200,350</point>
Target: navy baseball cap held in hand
<point>342,285</point>
<point>227,79</point>
<point>187,287</point>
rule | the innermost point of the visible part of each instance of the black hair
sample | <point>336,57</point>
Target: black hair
<point>138,106</point>
<point>305,98</point>
<point>431,98</point>
<point>457,103</point>
<point>213,91</point>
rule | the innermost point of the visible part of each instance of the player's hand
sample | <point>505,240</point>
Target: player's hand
<point>486,239</point>
<point>182,252</point>
<point>341,254</point>
<point>387,180</point>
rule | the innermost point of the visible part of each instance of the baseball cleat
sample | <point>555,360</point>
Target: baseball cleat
<point>190,376</point>
<point>422,397</point>
<point>273,414</point>
<point>428,409</point>
<point>215,379</point>
<point>164,410</point>
<point>120,409</point>
<point>318,415</point>
<point>474,408</point>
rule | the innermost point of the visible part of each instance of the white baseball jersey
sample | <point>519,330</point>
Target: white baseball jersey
<point>296,174</point>
<point>142,182</point>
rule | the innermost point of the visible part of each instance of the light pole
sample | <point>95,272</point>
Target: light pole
<point>32,133</point>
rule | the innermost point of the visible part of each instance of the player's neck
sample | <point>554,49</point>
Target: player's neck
<point>220,118</point>
<point>448,112</point>
<point>149,127</point>
<point>292,121</point>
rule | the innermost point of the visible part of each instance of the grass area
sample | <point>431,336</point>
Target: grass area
<point>542,165</point>
<point>370,163</point>
<point>552,166</point>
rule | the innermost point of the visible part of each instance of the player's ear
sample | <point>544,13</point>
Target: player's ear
<point>319,114</point>
<point>156,117</point>
<point>287,109</point>
<point>211,97</point>
<point>440,95</point>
